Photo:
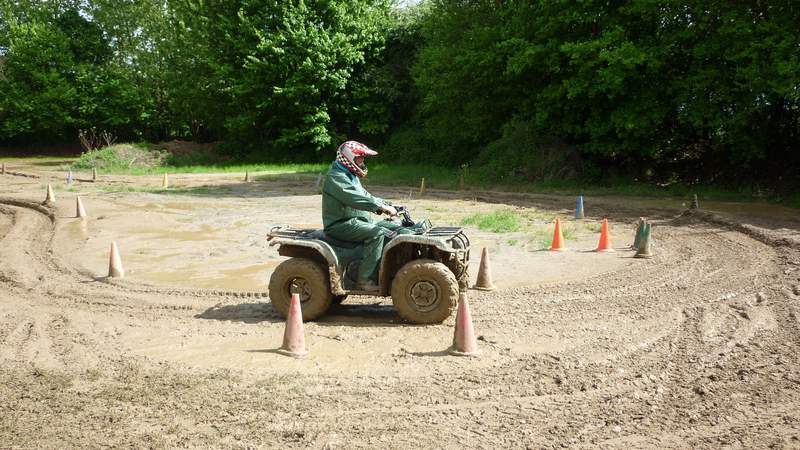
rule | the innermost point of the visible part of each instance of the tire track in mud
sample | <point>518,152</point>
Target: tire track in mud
<point>615,396</point>
<point>679,348</point>
<point>646,357</point>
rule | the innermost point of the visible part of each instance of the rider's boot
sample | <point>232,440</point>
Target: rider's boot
<point>367,285</point>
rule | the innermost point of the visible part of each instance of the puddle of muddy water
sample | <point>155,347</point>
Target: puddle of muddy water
<point>250,278</point>
<point>225,250</point>
<point>205,233</point>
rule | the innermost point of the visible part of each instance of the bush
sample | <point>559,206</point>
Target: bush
<point>521,154</point>
<point>121,156</point>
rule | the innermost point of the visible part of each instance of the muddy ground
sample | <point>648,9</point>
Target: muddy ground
<point>694,348</point>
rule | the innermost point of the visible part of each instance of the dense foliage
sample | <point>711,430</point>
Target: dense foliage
<point>662,91</point>
<point>695,88</point>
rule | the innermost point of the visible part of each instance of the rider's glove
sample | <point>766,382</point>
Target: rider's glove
<point>388,209</point>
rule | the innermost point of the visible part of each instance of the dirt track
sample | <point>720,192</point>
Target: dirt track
<point>695,348</point>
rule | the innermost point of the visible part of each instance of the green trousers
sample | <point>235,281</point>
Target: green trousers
<point>372,235</point>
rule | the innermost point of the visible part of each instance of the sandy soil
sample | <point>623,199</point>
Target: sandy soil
<point>695,348</point>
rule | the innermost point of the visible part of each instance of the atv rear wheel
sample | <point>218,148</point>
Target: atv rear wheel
<point>305,277</point>
<point>425,291</point>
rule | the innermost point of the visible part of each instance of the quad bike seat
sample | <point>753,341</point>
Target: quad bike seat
<point>320,234</point>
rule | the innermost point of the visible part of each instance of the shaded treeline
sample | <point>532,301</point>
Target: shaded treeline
<point>663,91</point>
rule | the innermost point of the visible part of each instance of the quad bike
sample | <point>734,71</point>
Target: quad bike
<point>423,270</point>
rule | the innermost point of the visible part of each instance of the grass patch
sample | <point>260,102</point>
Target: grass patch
<point>198,190</point>
<point>502,221</point>
<point>181,157</point>
<point>593,227</point>
<point>436,177</point>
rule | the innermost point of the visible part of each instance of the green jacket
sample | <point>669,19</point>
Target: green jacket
<point>344,198</point>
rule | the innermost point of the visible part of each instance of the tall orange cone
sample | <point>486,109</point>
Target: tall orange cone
<point>484,281</point>
<point>558,238</point>
<point>464,342</point>
<point>115,269</point>
<point>79,210</point>
<point>294,340</point>
<point>605,239</point>
<point>51,197</point>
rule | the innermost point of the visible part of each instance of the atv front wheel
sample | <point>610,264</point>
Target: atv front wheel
<point>304,277</point>
<point>425,291</point>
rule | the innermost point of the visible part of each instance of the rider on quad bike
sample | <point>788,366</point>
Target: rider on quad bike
<point>347,210</point>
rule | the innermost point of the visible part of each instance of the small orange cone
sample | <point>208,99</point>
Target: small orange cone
<point>558,238</point>
<point>464,342</point>
<point>294,341</point>
<point>484,281</point>
<point>80,211</point>
<point>51,197</point>
<point>605,239</point>
<point>115,269</point>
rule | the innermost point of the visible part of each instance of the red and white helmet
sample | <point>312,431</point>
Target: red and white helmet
<point>347,154</point>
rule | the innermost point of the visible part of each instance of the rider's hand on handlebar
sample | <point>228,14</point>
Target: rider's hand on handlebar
<point>389,210</point>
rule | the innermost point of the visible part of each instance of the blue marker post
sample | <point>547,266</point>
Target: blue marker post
<point>579,208</point>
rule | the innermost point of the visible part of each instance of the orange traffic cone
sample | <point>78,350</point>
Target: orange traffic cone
<point>51,197</point>
<point>464,342</point>
<point>558,238</point>
<point>605,239</point>
<point>79,210</point>
<point>115,269</point>
<point>294,340</point>
<point>484,281</point>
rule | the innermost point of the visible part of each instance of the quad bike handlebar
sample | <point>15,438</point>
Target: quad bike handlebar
<point>405,215</point>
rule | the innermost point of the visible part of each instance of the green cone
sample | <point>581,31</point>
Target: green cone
<point>639,233</point>
<point>644,246</point>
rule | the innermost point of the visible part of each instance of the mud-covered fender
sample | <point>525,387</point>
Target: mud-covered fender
<point>407,239</point>
<point>313,249</point>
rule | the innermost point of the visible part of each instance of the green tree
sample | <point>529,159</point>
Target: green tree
<point>277,72</point>
<point>695,89</point>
